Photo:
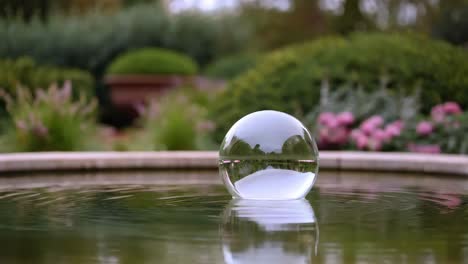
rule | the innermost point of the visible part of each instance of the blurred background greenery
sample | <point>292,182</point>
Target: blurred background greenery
<point>287,55</point>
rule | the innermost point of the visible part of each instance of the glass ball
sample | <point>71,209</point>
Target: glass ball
<point>268,155</point>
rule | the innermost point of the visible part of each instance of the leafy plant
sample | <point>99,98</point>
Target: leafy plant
<point>49,120</point>
<point>349,118</point>
<point>153,61</point>
<point>443,131</point>
<point>390,105</point>
<point>229,67</point>
<point>25,72</point>
<point>176,122</point>
<point>290,79</point>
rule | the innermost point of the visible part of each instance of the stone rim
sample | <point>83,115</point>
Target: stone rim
<point>189,160</point>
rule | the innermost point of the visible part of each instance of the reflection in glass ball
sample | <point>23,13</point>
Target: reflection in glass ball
<point>255,231</point>
<point>268,155</point>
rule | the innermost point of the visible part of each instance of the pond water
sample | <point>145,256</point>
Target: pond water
<point>178,217</point>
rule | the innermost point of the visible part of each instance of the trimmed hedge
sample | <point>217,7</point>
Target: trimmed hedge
<point>289,80</point>
<point>25,72</point>
<point>153,61</point>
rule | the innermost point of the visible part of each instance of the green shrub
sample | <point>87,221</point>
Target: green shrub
<point>176,122</point>
<point>48,120</point>
<point>25,72</point>
<point>229,67</point>
<point>92,41</point>
<point>289,80</point>
<point>153,61</point>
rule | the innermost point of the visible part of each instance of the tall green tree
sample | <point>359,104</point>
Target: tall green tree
<point>352,19</point>
<point>24,9</point>
<point>276,27</point>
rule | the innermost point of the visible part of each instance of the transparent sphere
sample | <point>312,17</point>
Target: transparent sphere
<point>268,155</point>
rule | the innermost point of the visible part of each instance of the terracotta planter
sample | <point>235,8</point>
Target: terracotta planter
<point>127,92</point>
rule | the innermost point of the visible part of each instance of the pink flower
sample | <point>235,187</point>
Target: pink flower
<point>323,133</point>
<point>381,135</point>
<point>338,135</point>
<point>362,141</point>
<point>345,118</point>
<point>428,149</point>
<point>21,125</point>
<point>323,137</point>
<point>355,134</point>
<point>392,131</point>
<point>376,120</point>
<point>333,123</point>
<point>438,113</point>
<point>452,108</point>
<point>375,144</point>
<point>424,128</point>
<point>398,123</point>
<point>432,149</point>
<point>325,118</point>
<point>371,124</point>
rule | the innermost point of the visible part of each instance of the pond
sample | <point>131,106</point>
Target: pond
<point>188,217</point>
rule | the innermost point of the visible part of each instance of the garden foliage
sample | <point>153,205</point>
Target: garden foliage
<point>444,130</point>
<point>153,61</point>
<point>379,121</point>
<point>390,105</point>
<point>291,79</point>
<point>92,41</point>
<point>49,120</point>
<point>25,72</point>
<point>230,67</point>
<point>177,122</point>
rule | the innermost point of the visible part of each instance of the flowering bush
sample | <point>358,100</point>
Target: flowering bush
<point>334,129</point>
<point>390,105</point>
<point>444,131</point>
<point>360,119</point>
<point>48,120</point>
<point>373,135</point>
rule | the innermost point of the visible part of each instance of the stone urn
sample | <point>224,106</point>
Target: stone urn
<point>138,76</point>
<point>128,92</point>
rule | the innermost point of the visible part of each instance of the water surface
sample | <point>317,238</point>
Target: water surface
<point>190,218</point>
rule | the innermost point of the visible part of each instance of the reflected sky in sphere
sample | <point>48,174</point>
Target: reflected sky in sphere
<point>265,130</point>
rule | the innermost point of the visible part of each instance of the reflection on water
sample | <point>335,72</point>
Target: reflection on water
<point>256,231</point>
<point>147,217</point>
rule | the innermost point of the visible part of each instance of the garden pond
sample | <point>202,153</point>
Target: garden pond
<point>188,217</point>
